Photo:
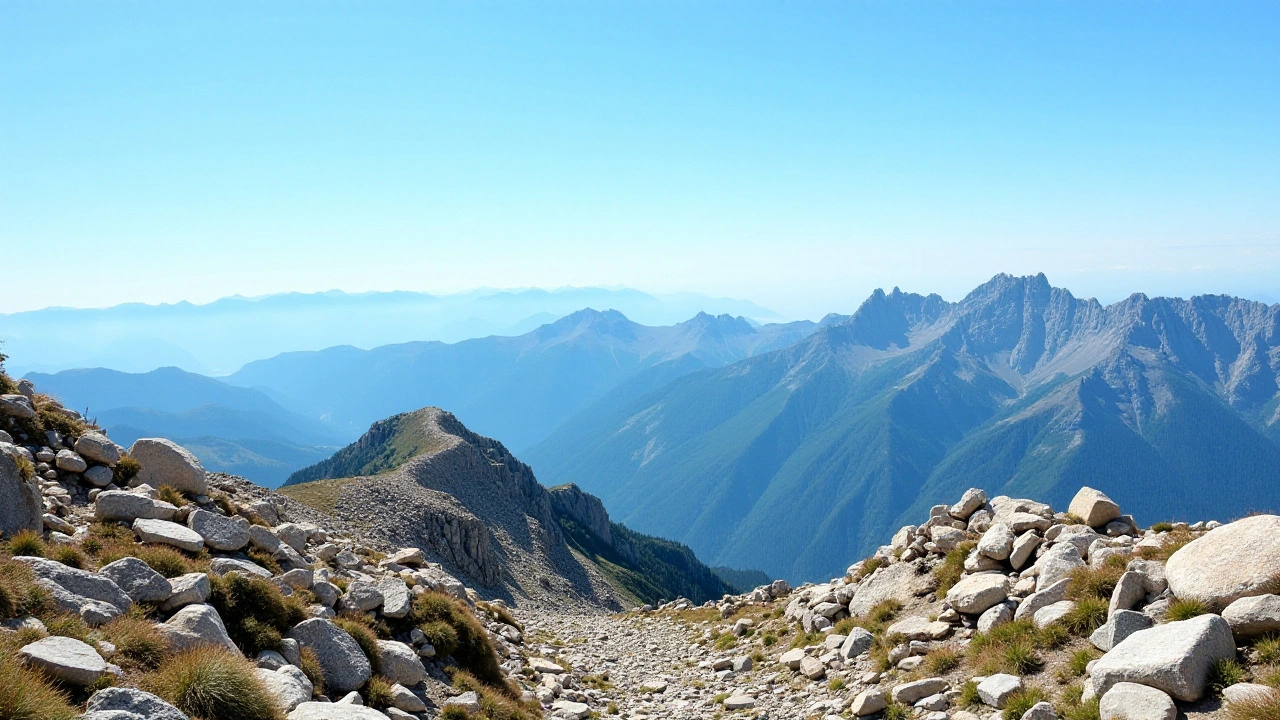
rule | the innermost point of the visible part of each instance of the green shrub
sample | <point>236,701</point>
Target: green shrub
<point>952,568</point>
<point>266,560</point>
<point>27,695</point>
<point>138,644</point>
<point>171,495</point>
<point>1185,610</point>
<point>1021,701</point>
<point>254,611</point>
<point>969,695</point>
<point>1083,709</point>
<point>25,468</point>
<point>454,712</point>
<point>363,636</point>
<point>1090,582</point>
<point>897,711</point>
<point>28,543</point>
<point>726,641</point>
<point>1076,665</point>
<point>769,640</point>
<point>473,652</point>
<point>309,663</point>
<point>869,566</point>
<point>127,468</point>
<point>1009,648</point>
<point>1089,614</point>
<point>1268,649</point>
<point>442,637</point>
<point>1224,673</point>
<point>19,593</point>
<point>377,692</point>
<point>211,682</point>
<point>69,556</point>
<point>66,625</point>
<point>1162,527</point>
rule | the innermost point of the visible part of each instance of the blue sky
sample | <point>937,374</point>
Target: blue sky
<point>798,154</point>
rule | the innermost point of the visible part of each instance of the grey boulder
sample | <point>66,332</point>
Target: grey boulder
<point>333,711</point>
<point>400,663</point>
<point>219,532</point>
<point>1119,626</point>
<point>344,665</point>
<point>98,448</point>
<point>195,626</point>
<point>138,702</point>
<point>975,593</point>
<point>1227,563</point>
<point>164,462</point>
<point>1131,701</point>
<point>1093,507</point>
<point>66,659</point>
<point>22,507</point>
<point>1174,657</point>
<point>1255,615</point>
<point>168,533</point>
<point>129,506</point>
<point>138,580</point>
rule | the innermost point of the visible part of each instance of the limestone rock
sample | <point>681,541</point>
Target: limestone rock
<point>1057,564</point>
<point>1131,701</point>
<point>857,642</point>
<point>164,462</point>
<point>900,581</point>
<point>70,461</point>
<point>219,532</point>
<point>138,580</point>
<point>66,659</point>
<point>996,689</point>
<point>1094,507</point>
<point>1248,692</point>
<point>1175,657</point>
<point>97,447</point>
<point>134,701</point>
<point>283,688</point>
<point>189,589</point>
<point>344,665</point>
<point>168,533</point>
<point>22,506</point>
<point>1227,563</point>
<point>995,615</point>
<point>1128,593</point>
<point>222,566</point>
<point>195,626</point>
<point>975,593</point>
<point>1051,614</point>
<point>869,702</point>
<point>918,628</point>
<point>99,476</point>
<point>79,583</point>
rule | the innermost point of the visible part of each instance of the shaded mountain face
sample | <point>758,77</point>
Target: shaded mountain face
<point>423,479</point>
<point>797,459</point>
<point>231,429</point>
<point>514,388</point>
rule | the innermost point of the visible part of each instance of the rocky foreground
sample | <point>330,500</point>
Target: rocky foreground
<point>151,589</point>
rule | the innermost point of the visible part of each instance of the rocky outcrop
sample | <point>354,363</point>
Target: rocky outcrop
<point>21,508</point>
<point>583,508</point>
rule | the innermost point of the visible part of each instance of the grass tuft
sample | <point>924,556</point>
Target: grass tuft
<point>138,644</point>
<point>309,663</point>
<point>1089,614</point>
<point>1185,610</point>
<point>1021,701</point>
<point>211,682</point>
<point>27,543</point>
<point>942,660</point>
<point>1099,582</point>
<point>364,637</point>
<point>1224,673</point>
<point>952,568</point>
<point>28,695</point>
<point>254,610</point>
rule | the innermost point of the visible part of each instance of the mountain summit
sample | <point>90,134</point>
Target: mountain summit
<point>1171,406</point>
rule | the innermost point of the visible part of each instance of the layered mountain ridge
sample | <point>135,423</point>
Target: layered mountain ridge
<point>822,447</point>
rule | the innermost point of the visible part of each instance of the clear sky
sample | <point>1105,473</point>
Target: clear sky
<point>798,154</point>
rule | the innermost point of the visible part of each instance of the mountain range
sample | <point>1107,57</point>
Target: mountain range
<point>794,460</point>
<point>219,337</point>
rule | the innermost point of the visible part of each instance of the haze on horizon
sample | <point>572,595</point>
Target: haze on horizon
<point>795,155</point>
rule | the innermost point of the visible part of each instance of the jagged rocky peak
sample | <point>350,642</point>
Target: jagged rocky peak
<point>583,508</point>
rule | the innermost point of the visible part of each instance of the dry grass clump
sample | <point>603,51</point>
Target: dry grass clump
<point>254,610</point>
<point>472,649</point>
<point>19,593</point>
<point>309,663</point>
<point>211,682</point>
<point>499,613</point>
<point>1099,582</point>
<point>1255,708</point>
<point>868,566</point>
<point>27,695</point>
<point>1171,544</point>
<point>172,495</point>
<point>942,660</point>
<point>377,692</point>
<point>1089,614</point>
<point>364,637</point>
<point>70,556</point>
<point>27,543</point>
<point>496,703</point>
<point>138,644</point>
<point>1021,701</point>
<point>952,568</point>
<point>1009,648</point>
<point>1185,610</point>
<point>127,468</point>
<point>25,468</point>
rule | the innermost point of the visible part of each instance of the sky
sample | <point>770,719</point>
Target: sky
<point>798,154</point>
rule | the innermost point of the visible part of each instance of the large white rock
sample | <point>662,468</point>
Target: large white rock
<point>189,589</point>
<point>857,642</point>
<point>996,689</point>
<point>1227,563</point>
<point>344,665</point>
<point>400,663</point>
<point>70,461</point>
<point>946,538</point>
<point>1119,626</point>
<point>1131,701</point>
<point>1174,657</point>
<point>95,598</point>
<point>98,448</point>
<point>66,659</point>
<point>869,702</point>
<point>975,593</point>
<point>129,506</point>
<point>194,626</point>
<point>1057,563</point>
<point>918,628</point>
<point>997,542</point>
<point>969,503</point>
<point>1094,507</point>
<point>334,711</point>
<point>1051,614</point>
<point>1248,692</point>
<point>1255,615</point>
<point>22,506</point>
<point>129,700</point>
<point>219,532</point>
<point>909,693</point>
<point>164,462</point>
<point>283,688</point>
<point>168,533</point>
<point>899,581</point>
<point>138,580</point>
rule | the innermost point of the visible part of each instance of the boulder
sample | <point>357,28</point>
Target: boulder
<point>570,710</point>
<point>66,659</point>
<point>344,665</point>
<point>97,447</point>
<point>1119,626</point>
<point>168,533</point>
<point>1131,701</point>
<point>996,689</point>
<point>857,642</point>
<point>470,702</point>
<point>129,506</point>
<point>99,476</point>
<point>1255,615</point>
<point>946,538</point>
<point>909,693</point>
<point>969,503</point>
<point>362,596</point>
<point>402,698</point>
<point>164,462</point>
<point>1057,563</point>
<point>293,535</point>
<point>195,626</point>
<point>997,542</point>
<point>899,581</point>
<point>189,589</point>
<point>399,663</point>
<point>219,532</point>
<point>1227,563</point>
<point>1152,574</point>
<point>1093,507</point>
<point>1174,657</point>
<point>739,702</point>
<point>995,615</point>
<point>283,688</point>
<point>812,668</point>
<point>1041,711</point>
<point>138,580</point>
<point>1051,614</point>
<point>222,566</point>
<point>18,406</point>
<point>975,593</point>
<point>79,583</point>
<point>22,506</point>
<point>792,658</point>
<point>133,701</point>
<point>918,628</point>
<point>71,462</point>
<point>1129,591</point>
<point>334,711</point>
<point>869,702</point>
<point>1248,692</point>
